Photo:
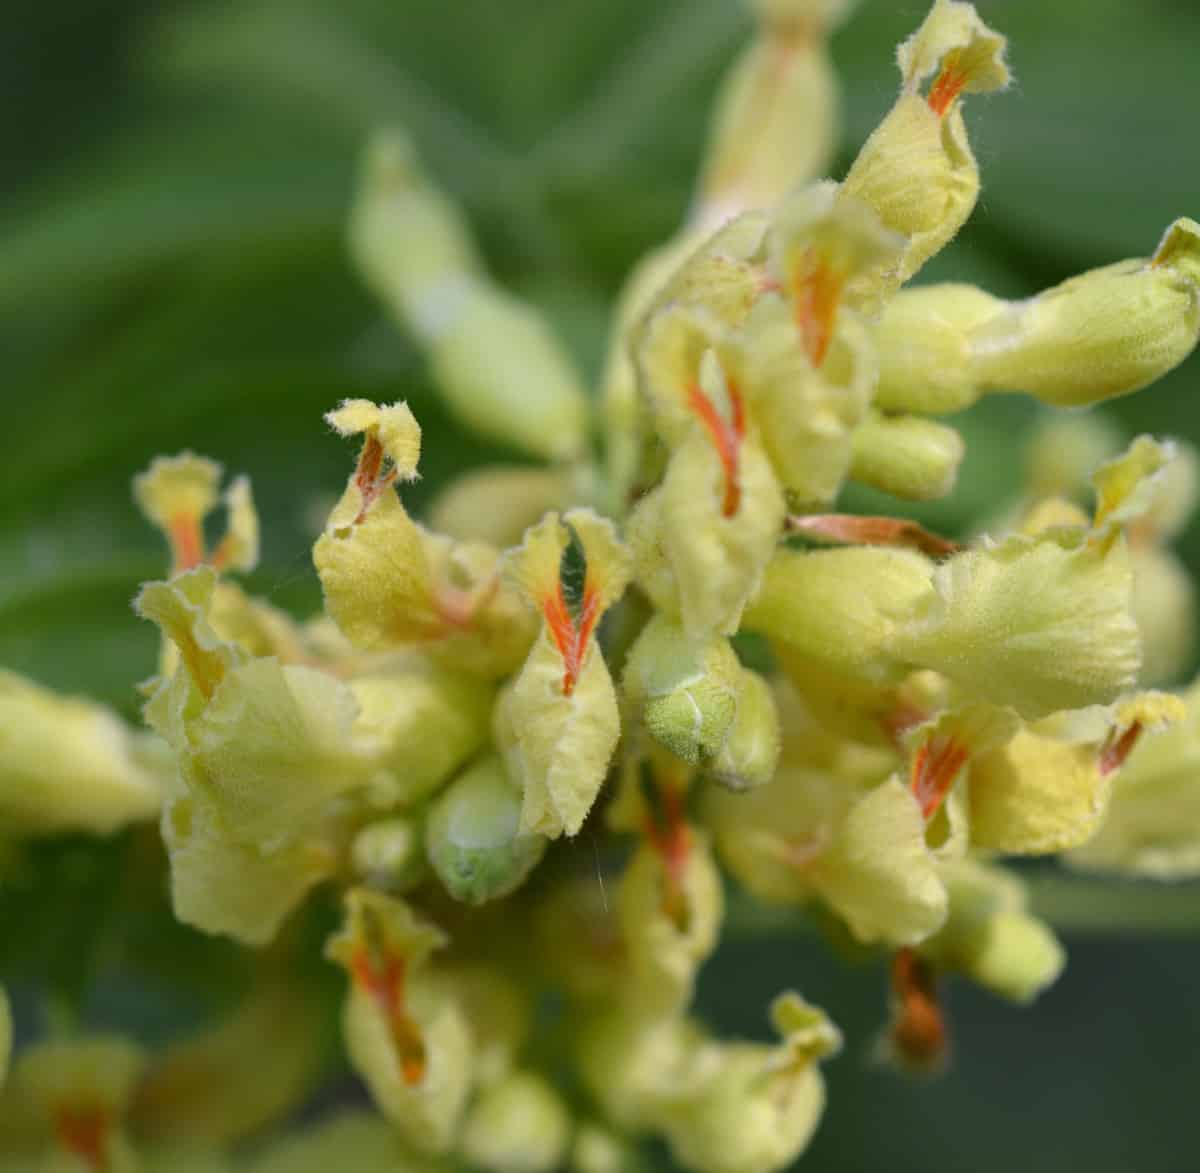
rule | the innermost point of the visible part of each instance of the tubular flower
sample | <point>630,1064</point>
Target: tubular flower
<point>405,1033</point>
<point>557,722</point>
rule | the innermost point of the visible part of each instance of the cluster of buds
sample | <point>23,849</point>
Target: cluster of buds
<point>562,651</point>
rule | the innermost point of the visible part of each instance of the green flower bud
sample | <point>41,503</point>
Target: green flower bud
<point>843,608</point>
<point>557,724</point>
<point>201,1089</point>
<point>498,365</point>
<point>473,837</point>
<point>924,344</point>
<point>1065,450</point>
<point>69,765</point>
<point>518,1125</point>
<point>751,751</point>
<point>635,1067</point>
<point>351,1141</point>
<point>1030,623</point>
<point>422,727</point>
<point>505,375</point>
<point>498,503</point>
<point>906,456</point>
<point>917,170</point>
<point>390,855</point>
<point>687,693</point>
<point>775,122</point>
<point>758,1106</point>
<point>1104,333</point>
<point>406,238</point>
<point>990,937</point>
<point>597,1149</point>
<point>405,1034</point>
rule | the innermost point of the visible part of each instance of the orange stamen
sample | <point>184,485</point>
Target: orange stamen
<point>187,541</point>
<point>384,983</point>
<point>727,436</point>
<point>668,833</point>
<point>918,1030</point>
<point>947,87</point>
<point>369,478</point>
<point>935,766</point>
<point>83,1131</point>
<point>1117,749</point>
<point>817,290</point>
<point>848,529</point>
<point>570,635</point>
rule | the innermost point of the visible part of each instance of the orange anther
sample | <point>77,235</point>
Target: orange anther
<point>727,436</point>
<point>817,291</point>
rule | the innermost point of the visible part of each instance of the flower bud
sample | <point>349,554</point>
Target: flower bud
<point>472,836</point>
<point>1164,607</point>
<point>518,1125</point>
<point>687,693</point>
<point>1104,333</point>
<point>597,1149</point>
<point>990,936</point>
<point>923,340</point>
<point>498,365</point>
<point>557,723</point>
<point>775,121</point>
<point>422,726</point>
<point>917,170</point>
<point>842,608</point>
<point>1065,450</point>
<point>390,855</point>
<point>751,750</point>
<point>758,1106</point>
<point>909,457</point>
<point>358,1141</point>
<point>498,503</point>
<point>405,1035</point>
<point>70,764</point>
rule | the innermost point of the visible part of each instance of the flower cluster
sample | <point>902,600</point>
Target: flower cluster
<point>679,643</point>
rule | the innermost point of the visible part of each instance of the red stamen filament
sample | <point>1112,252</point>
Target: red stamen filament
<point>369,478</point>
<point>852,530</point>
<point>84,1132</point>
<point>1117,749</point>
<point>570,635</point>
<point>946,88</point>
<point>384,983</point>
<point>817,291</point>
<point>935,766</point>
<point>918,1029</point>
<point>727,436</point>
<point>187,542</point>
<point>668,833</point>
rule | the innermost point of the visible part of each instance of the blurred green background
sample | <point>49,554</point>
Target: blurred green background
<point>173,275</point>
